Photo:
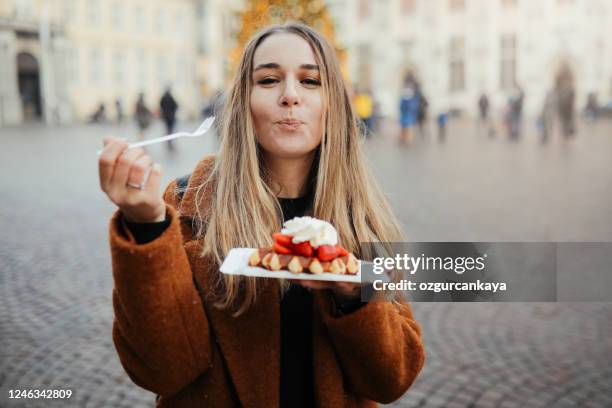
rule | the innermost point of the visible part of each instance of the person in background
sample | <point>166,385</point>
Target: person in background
<point>409,107</point>
<point>591,109</point>
<point>515,111</point>
<point>484,107</point>
<point>119,109</point>
<point>99,115</point>
<point>168,108</point>
<point>143,115</point>
<point>547,116</point>
<point>364,106</point>
<point>422,110</point>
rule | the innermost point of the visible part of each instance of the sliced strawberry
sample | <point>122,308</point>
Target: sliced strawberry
<point>303,249</point>
<point>280,249</point>
<point>327,252</point>
<point>282,239</point>
<point>341,251</point>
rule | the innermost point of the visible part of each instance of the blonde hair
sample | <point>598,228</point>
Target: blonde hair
<point>244,211</point>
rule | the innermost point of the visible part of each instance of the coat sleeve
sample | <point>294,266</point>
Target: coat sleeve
<point>160,329</point>
<point>379,347</point>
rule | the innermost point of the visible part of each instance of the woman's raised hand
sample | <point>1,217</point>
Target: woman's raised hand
<point>131,181</point>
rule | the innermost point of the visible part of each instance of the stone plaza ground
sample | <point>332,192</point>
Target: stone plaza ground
<point>55,276</point>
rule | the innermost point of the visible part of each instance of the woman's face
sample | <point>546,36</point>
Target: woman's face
<point>286,98</point>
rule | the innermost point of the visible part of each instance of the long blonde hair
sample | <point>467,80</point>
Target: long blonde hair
<point>244,211</point>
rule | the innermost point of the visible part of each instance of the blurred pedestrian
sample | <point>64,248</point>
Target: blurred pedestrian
<point>484,107</point>
<point>364,105</point>
<point>119,109</point>
<point>99,115</point>
<point>547,116</point>
<point>515,111</point>
<point>409,107</point>
<point>442,121</point>
<point>422,110</point>
<point>565,101</point>
<point>144,117</point>
<point>592,107</point>
<point>168,107</point>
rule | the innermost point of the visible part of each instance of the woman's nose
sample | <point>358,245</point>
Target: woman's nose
<point>290,96</point>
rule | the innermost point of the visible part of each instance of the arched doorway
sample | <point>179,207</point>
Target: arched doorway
<point>29,86</point>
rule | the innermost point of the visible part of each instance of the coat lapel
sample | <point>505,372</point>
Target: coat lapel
<point>250,343</point>
<point>327,374</point>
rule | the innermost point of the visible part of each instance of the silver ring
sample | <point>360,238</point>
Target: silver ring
<point>134,185</point>
<point>142,185</point>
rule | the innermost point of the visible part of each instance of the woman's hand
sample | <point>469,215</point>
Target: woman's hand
<point>131,181</point>
<point>341,290</point>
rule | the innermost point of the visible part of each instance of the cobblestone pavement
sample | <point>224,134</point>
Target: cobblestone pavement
<point>55,280</point>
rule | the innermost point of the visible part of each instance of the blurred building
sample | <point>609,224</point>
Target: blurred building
<point>461,48</point>
<point>62,58</point>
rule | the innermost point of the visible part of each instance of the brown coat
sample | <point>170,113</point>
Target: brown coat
<point>173,342</point>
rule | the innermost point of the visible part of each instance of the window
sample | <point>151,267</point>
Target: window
<point>70,12</point>
<point>162,76</point>
<point>117,15</point>
<point>95,66</point>
<point>408,7</point>
<point>73,65</point>
<point>179,23</point>
<point>456,5</point>
<point>457,64</point>
<point>160,21</point>
<point>365,68</point>
<point>141,60</point>
<point>93,12</point>
<point>364,10</point>
<point>118,67</point>
<point>508,61</point>
<point>139,19</point>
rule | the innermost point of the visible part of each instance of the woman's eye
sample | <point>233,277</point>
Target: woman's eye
<point>312,82</point>
<point>267,81</point>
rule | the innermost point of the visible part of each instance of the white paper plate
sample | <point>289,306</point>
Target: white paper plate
<point>237,263</point>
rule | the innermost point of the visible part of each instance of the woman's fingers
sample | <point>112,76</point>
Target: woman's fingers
<point>123,166</point>
<point>155,178</point>
<point>113,147</point>
<point>139,172</point>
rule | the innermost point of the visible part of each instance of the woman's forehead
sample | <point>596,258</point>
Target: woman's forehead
<point>289,51</point>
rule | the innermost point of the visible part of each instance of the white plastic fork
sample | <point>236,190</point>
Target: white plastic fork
<point>204,127</point>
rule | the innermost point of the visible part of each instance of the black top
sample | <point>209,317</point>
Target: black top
<point>296,365</point>
<point>296,361</point>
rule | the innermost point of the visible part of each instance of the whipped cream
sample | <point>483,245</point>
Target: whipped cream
<point>303,229</point>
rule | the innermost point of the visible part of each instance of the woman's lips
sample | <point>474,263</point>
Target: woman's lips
<point>289,124</point>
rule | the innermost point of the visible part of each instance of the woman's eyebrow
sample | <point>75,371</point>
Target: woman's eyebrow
<point>274,65</point>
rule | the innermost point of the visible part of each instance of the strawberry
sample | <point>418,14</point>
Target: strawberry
<point>282,239</point>
<point>280,249</point>
<point>341,251</point>
<point>327,252</point>
<point>303,249</point>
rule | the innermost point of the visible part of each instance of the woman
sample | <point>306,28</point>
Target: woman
<point>144,117</point>
<point>408,107</point>
<point>196,337</point>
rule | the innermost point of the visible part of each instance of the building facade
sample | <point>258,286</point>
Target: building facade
<point>61,59</point>
<point>459,49</point>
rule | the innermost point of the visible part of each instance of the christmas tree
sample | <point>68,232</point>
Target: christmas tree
<point>261,13</point>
